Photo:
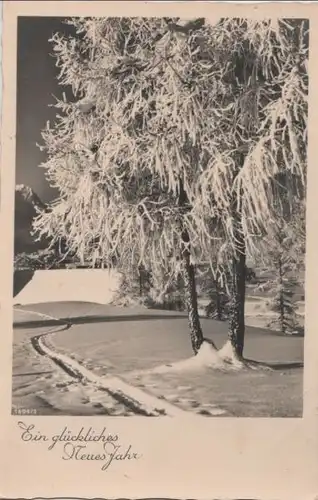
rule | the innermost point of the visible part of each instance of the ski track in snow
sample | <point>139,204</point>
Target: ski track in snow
<point>140,402</point>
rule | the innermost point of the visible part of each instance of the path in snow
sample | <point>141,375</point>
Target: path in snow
<point>38,387</point>
<point>133,398</point>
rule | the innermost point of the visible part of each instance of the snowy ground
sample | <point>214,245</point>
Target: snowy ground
<point>258,313</point>
<point>38,384</point>
<point>244,394</point>
<point>118,342</point>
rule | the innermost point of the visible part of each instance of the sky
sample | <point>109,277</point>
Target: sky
<point>36,82</point>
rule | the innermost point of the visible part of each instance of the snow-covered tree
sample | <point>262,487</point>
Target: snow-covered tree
<point>160,291</point>
<point>282,301</point>
<point>134,287</point>
<point>283,254</point>
<point>259,125</point>
<point>124,156</point>
<point>177,129</point>
<point>214,288</point>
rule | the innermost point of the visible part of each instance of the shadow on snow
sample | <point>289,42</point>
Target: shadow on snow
<point>81,320</point>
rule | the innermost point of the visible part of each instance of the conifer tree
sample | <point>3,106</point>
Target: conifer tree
<point>218,296</point>
<point>283,254</point>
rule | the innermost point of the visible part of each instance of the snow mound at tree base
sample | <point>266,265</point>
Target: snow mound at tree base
<point>228,355</point>
<point>208,356</point>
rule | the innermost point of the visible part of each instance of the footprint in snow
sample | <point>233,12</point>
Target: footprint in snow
<point>172,397</point>
<point>98,405</point>
<point>216,412</point>
<point>204,413</point>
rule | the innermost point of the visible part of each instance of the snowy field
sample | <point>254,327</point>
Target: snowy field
<point>126,345</point>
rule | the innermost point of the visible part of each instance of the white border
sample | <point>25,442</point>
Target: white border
<point>223,458</point>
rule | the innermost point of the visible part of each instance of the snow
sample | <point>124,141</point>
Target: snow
<point>207,356</point>
<point>227,354</point>
<point>39,385</point>
<point>133,397</point>
<point>257,311</point>
<point>224,359</point>
<point>86,285</point>
<point>86,104</point>
<point>107,345</point>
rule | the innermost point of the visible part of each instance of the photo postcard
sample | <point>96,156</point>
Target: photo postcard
<point>158,257</point>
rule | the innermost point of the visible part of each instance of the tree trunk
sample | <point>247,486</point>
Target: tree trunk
<point>219,312</point>
<point>238,278</point>
<point>237,303</point>
<point>281,297</point>
<point>140,282</point>
<point>191,297</point>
